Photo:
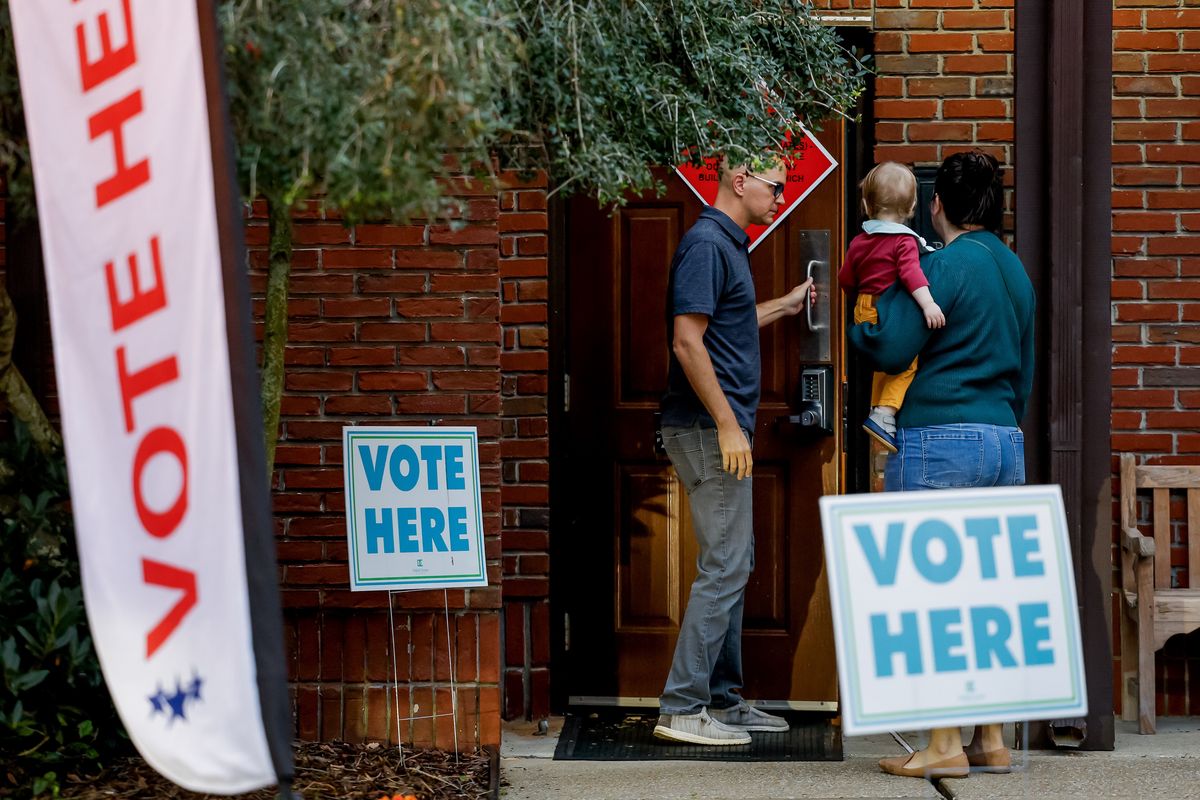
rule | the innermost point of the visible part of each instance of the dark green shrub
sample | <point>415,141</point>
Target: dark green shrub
<point>56,715</point>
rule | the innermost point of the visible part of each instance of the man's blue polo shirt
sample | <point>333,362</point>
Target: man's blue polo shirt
<point>710,275</point>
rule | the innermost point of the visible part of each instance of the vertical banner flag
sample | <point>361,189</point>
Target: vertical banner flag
<point>149,307</point>
<point>953,607</point>
<point>808,165</point>
<point>413,514</point>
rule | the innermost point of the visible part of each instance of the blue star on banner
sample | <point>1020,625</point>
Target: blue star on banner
<point>194,686</point>
<point>176,702</point>
<point>158,701</point>
<point>174,705</point>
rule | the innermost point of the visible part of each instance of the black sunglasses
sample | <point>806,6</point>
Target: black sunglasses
<point>776,187</point>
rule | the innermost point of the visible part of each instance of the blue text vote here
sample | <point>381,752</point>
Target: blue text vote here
<point>956,638</point>
<point>414,528</point>
<point>434,468</point>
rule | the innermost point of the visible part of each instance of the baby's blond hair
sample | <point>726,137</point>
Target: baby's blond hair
<point>889,187</point>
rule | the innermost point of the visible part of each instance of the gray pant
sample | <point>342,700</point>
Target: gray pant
<point>707,667</point>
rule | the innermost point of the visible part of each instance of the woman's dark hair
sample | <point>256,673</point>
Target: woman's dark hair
<point>971,188</point>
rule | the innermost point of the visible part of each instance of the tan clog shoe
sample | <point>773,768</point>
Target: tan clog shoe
<point>997,761</point>
<point>953,767</point>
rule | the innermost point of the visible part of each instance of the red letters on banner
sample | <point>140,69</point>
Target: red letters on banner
<point>110,121</point>
<point>156,573</point>
<point>111,62</point>
<point>158,441</point>
<point>144,380</point>
<point>141,300</point>
<point>141,303</point>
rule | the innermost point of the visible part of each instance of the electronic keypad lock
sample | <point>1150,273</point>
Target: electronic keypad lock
<point>816,401</point>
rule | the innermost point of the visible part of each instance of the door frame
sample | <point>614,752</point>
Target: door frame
<point>857,152</point>
<point>1063,220</point>
<point>858,157</point>
<point>560,452</point>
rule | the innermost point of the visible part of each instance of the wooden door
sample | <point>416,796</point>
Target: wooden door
<point>630,559</point>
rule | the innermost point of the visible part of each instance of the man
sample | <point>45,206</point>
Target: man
<point>707,425</point>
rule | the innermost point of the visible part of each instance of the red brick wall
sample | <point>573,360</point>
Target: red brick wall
<point>944,79</point>
<point>1156,273</point>
<point>525,446</point>
<point>844,12</point>
<point>397,324</point>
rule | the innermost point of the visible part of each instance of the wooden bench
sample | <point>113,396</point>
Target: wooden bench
<point>1151,611</point>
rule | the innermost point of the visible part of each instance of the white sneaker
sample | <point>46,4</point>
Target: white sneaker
<point>883,428</point>
<point>884,420</point>
<point>698,729</point>
<point>744,717</point>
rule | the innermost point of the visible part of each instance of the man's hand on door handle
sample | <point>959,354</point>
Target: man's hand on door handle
<point>793,301</point>
<point>735,451</point>
<point>787,305</point>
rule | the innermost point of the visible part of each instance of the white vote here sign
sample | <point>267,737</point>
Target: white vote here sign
<point>953,608</point>
<point>413,513</point>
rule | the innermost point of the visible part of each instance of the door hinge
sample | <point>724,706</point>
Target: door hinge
<point>567,632</point>
<point>845,413</point>
<point>566,392</point>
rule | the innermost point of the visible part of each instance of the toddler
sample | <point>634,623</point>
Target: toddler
<point>885,251</point>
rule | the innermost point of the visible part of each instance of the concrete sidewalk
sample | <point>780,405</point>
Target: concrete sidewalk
<point>1166,765</point>
<point>1162,767</point>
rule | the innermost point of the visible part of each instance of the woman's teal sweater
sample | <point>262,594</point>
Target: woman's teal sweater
<point>979,367</point>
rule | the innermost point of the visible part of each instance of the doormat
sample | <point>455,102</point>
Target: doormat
<point>616,734</point>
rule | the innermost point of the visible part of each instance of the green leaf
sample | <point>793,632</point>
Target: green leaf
<point>46,784</point>
<point>29,680</point>
<point>8,655</point>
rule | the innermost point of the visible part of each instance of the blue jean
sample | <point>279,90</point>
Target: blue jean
<point>706,670</point>
<point>960,456</point>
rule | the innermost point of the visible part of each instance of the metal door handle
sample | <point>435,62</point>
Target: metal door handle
<point>808,305</point>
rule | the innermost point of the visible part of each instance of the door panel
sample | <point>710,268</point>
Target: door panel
<point>646,237</point>
<point>648,565</point>
<point>631,554</point>
<point>767,592</point>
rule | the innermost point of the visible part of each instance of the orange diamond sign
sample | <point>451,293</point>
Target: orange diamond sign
<point>807,166</point>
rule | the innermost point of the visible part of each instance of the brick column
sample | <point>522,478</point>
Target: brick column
<point>525,446</point>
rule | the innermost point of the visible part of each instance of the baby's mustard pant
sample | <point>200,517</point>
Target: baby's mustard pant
<point>886,390</point>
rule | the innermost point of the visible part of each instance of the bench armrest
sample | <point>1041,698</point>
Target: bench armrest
<point>1134,542</point>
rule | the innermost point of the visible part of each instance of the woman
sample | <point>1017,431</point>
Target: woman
<point>958,426</point>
